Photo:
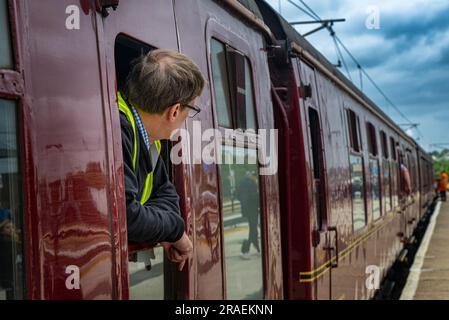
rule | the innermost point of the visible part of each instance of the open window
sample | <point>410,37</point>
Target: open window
<point>233,87</point>
<point>241,208</point>
<point>319,188</point>
<point>354,131</point>
<point>411,162</point>
<point>374,170</point>
<point>372,139</point>
<point>146,262</point>
<point>394,173</point>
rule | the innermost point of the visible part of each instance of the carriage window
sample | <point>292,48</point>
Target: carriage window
<point>318,167</point>
<point>372,140</point>
<point>250,117</point>
<point>242,223</point>
<point>354,130</point>
<point>383,137</point>
<point>233,87</point>
<point>375,187</point>
<point>393,149</point>
<point>358,191</point>
<point>6,56</point>
<point>11,258</point>
<point>221,84</point>
<point>386,185</point>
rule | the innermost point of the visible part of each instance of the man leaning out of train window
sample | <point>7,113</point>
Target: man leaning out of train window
<point>158,96</point>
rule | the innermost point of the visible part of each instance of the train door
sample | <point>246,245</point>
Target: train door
<point>401,191</point>
<point>240,180</point>
<point>324,245</point>
<point>130,30</point>
<point>248,227</point>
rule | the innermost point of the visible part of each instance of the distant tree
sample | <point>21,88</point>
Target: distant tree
<point>441,160</point>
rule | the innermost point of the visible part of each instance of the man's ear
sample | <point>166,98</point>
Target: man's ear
<point>173,112</point>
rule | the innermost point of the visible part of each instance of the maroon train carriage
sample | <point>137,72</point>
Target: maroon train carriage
<point>344,209</point>
<point>334,207</point>
<point>63,183</point>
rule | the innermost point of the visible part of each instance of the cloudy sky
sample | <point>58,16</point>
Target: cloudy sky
<point>407,56</point>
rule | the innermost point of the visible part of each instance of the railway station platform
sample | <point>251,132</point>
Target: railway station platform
<point>429,275</point>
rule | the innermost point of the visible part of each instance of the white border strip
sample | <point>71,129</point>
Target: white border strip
<point>408,293</point>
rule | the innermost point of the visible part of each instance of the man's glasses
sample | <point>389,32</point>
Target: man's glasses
<point>194,110</point>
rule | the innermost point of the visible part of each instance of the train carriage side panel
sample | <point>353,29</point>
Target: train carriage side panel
<point>71,152</point>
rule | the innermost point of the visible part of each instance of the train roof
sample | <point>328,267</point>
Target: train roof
<point>282,30</point>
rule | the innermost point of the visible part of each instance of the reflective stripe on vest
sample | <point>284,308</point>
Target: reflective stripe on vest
<point>155,149</point>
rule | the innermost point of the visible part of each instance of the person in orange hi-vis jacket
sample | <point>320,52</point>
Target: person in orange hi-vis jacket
<point>442,185</point>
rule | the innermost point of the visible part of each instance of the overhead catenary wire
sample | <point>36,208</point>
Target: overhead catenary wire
<point>302,9</point>
<point>310,10</point>
<point>362,71</point>
<point>391,103</point>
<point>340,56</point>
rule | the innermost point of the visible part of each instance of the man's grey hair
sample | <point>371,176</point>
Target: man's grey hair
<point>162,78</point>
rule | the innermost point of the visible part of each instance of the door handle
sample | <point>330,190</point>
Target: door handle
<point>334,264</point>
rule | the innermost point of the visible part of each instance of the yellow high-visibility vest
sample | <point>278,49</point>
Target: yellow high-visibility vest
<point>155,149</point>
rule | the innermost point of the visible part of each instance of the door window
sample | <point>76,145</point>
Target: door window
<point>242,223</point>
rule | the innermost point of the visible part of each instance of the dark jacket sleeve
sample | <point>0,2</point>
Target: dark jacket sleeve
<point>159,219</point>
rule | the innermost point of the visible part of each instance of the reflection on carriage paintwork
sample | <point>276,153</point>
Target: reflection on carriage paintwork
<point>387,185</point>
<point>358,187</point>
<point>375,188</point>
<point>242,234</point>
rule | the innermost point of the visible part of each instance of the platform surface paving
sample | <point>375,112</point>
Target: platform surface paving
<point>429,275</point>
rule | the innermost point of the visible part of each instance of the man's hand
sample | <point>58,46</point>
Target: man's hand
<point>179,251</point>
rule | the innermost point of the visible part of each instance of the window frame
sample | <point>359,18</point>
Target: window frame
<point>354,142</point>
<point>384,145</point>
<point>234,112</point>
<point>322,220</point>
<point>12,87</point>
<point>371,135</point>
